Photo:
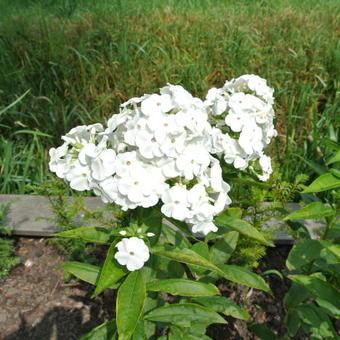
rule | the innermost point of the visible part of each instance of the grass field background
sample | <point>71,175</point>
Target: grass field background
<point>80,59</point>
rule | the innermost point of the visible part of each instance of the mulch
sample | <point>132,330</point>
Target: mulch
<point>37,304</point>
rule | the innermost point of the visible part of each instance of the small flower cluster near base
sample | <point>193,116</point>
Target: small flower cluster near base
<point>167,148</point>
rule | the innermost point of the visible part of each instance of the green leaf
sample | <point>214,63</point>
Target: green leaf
<point>152,218</point>
<point>221,251</point>
<point>83,271</point>
<point>334,159</point>
<point>129,304</point>
<point>303,252</point>
<point>106,331</point>
<point>175,238</point>
<point>202,249</point>
<point>328,307</point>
<point>321,289</point>
<point>110,273</point>
<point>244,276</point>
<point>177,333</point>
<point>292,322</point>
<point>295,295</point>
<point>262,331</point>
<point>334,249</point>
<point>311,211</point>
<point>88,234</point>
<point>221,304</point>
<point>185,256</point>
<point>324,182</point>
<point>183,287</point>
<point>184,314</point>
<point>229,272</point>
<point>318,320</point>
<point>242,227</point>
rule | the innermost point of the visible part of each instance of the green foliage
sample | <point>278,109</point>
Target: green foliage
<point>314,265</point>
<point>7,258</point>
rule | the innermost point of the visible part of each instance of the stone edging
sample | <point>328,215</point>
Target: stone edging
<point>30,216</point>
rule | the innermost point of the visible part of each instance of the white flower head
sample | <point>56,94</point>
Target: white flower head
<point>132,253</point>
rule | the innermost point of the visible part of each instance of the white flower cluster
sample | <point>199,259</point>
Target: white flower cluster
<point>166,147</point>
<point>243,108</point>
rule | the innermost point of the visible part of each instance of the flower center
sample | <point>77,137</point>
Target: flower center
<point>131,253</point>
<point>173,140</point>
<point>128,163</point>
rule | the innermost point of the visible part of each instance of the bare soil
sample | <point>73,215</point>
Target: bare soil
<point>37,304</point>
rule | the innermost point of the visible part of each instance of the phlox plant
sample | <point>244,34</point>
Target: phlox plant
<point>161,158</point>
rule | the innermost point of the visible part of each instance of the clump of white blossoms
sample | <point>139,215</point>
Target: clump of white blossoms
<point>166,148</point>
<point>242,110</point>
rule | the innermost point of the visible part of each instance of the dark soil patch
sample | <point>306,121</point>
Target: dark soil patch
<point>36,303</point>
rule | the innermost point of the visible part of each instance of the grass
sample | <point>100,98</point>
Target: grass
<point>81,59</point>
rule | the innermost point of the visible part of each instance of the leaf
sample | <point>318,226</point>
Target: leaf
<point>334,159</point>
<point>273,272</point>
<point>129,304</point>
<point>244,276</point>
<point>292,322</point>
<point>152,218</point>
<point>317,319</point>
<point>184,314</point>
<point>334,249</point>
<point>233,273</point>
<point>202,249</point>
<point>295,295</point>
<point>106,331</point>
<point>110,273</point>
<point>175,238</point>
<point>221,251</point>
<point>221,304</point>
<point>302,253</point>
<point>185,256</point>
<point>321,289</point>
<point>262,331</point>
<point>328,307</point>
<point>324,182</point>
<point>242,227</point>
<point>83,271</point>
<point>183,287</point>
<point>311,211</point>
<point>88,234</point>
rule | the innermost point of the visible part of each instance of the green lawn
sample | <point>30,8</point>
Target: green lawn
<point>80,60</point>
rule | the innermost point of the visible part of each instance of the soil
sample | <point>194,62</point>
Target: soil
<point>37,304</point>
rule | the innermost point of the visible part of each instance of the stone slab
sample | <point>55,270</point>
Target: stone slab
<point>31,216</point>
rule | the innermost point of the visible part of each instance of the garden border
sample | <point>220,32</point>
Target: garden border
<point>32,216</point>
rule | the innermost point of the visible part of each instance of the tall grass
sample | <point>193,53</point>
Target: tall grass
<point>81,59</point>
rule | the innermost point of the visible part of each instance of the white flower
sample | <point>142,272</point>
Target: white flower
<point>176,203</point>
<point>156,104</point>
<point>132,253</point>
<point>193,161</point>
<point>216,100</point>
<point>265,164</point>
<point>204,228</point>
<point>104,165</point>
<point>251,138</point>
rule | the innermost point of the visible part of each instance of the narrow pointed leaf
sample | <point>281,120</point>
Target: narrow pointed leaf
<point>319,288</point>
<point>324,182</point>
<point>110,273</point>
<point>244,276</point>
<point>222,305</point>
<point>303,252</point>
<point>83,271</point>
<point>221,251</point>
<point>183,287</point>
<point>184,314</point>
<point>88,234</point>
<point>130,304</point>
<point>242,227</point>
<point>312,210</point>
<point>106,331</point>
